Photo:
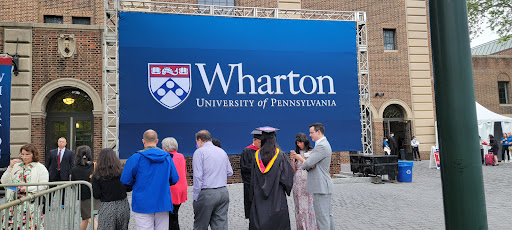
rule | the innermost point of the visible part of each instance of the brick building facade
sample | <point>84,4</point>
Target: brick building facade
<point>400,76</point>
<point>488,71</point>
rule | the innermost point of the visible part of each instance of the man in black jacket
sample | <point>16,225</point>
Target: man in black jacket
<point>60,162</point>
<point>246,161</point>
<point>392,144</point>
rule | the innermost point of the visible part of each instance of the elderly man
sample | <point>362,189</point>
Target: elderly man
<point>211,171</point>
<point>60,161</point>
<point>179,190</point>
<point>150,172</point>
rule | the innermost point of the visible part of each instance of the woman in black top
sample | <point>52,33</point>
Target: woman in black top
<point>114,212</point>
<point>84,167</point>
<point>495,147</point>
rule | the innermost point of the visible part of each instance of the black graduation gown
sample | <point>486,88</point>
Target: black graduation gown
<point>269,210</point>
<point>246,163</point>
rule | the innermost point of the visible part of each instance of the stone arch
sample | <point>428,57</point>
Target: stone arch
<point>407,109</point>
<point>503,77</point>
<point>42,96</point>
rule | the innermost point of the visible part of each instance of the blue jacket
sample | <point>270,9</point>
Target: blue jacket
<point>505,141</point>
<point>509,141</point>
<point>150,172</point>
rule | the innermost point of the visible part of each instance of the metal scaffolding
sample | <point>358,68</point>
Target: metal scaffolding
<point>111,45</point>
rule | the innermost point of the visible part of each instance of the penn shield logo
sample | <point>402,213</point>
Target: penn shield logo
<point>169,83</point>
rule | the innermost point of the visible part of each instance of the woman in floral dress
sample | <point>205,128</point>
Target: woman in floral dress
<point>304,210</point>
<point>28,171</point>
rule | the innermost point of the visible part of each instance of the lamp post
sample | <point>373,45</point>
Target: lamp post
<point>461,169</point>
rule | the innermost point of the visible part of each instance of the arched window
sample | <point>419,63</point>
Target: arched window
<point>69,115</point>
<point>393,111</point>
<point>71,100</point>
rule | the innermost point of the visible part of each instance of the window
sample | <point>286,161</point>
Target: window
<point>503,92</point>
<point>389,39</point>
<point>82,20</point>
<point>53,19</point>
<point>217,2</point>
<point>393,111</point>
<point>72,100</point>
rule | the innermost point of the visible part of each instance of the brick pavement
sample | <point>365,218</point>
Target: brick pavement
<point>416,205</point>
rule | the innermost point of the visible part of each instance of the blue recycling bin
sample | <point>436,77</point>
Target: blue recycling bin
<point>405,171</point>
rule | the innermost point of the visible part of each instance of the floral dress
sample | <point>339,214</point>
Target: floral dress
<point>304,210</point>
<point>24,175</point>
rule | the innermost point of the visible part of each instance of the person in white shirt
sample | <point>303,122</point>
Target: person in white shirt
<point>415,150</point>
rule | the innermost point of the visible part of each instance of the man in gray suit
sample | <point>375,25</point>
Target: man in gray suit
<point>319,179</point>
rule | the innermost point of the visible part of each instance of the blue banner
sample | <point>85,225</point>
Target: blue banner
<point>5,110</point>
<point>179,74</point>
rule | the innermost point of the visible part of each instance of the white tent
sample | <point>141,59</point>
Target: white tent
<point>486,119</point>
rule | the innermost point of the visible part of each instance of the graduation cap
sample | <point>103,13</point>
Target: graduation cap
<point>258,132</point>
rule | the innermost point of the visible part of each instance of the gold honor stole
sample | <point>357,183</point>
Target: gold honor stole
<point>263,168</point>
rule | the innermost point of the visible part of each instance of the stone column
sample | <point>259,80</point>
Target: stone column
<point>21,94</point>
<point>420,74</point>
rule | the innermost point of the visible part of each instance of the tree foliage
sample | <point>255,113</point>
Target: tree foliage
<point>498,13</point>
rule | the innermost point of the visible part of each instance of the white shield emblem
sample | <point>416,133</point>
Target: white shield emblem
<point>169,83</point>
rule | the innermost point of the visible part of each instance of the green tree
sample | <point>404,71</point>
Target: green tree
<point>498,13</point>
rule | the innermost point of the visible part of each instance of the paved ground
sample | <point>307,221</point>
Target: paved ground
<point>416,205</point>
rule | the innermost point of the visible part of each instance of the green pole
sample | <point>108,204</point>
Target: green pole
<point>461,169</point>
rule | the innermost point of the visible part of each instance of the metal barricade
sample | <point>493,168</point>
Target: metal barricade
<point>53,208</point>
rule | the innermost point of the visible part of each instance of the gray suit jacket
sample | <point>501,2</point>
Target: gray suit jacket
<point>319,179</point>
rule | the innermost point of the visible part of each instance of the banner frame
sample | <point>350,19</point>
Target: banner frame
<point>111,52</point>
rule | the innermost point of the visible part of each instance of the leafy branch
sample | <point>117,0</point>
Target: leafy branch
<point>498,13</point>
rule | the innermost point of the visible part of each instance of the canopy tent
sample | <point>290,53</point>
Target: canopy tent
<point>486,119</point>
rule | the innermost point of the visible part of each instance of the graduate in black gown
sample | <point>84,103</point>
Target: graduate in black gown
<point>271,182</point>
<point>246,163</point>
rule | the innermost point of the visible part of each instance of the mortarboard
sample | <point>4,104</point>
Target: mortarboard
<point>258,132</point>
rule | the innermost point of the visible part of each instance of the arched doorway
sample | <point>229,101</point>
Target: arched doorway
<point>394,121</point>
<point>69,115</point>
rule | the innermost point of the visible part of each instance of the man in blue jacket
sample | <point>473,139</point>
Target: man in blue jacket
<point>150,172</point>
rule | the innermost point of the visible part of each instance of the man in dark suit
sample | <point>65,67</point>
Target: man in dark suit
<point>60,162</point>
<point>392,144</point>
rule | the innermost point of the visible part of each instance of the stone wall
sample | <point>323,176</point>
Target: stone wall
<point>34,10</point>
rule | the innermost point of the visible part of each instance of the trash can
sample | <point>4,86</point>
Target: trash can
<point>405,171</point>
<point>402,154</point>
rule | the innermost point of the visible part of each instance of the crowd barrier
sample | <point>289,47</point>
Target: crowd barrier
<point>56,207</point>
